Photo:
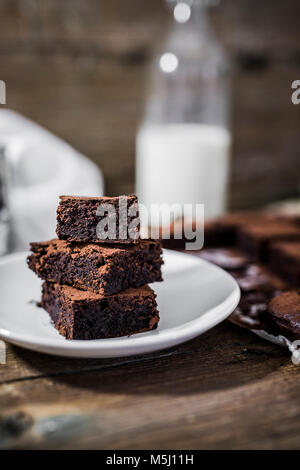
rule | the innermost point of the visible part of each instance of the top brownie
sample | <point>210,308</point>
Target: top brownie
<point>98,219</point>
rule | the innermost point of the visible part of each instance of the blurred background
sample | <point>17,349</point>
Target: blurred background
<point>80,68</point>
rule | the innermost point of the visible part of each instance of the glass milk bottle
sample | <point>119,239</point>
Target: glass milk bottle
<point>183,143</point>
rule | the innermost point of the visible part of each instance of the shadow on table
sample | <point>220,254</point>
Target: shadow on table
<point>224,357</point>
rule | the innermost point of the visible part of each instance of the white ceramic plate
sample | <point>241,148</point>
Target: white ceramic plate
<point>194,297</point>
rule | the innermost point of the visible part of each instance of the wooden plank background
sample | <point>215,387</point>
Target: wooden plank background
<point>79,68</point>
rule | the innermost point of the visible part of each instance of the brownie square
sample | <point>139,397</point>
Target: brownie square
<point>80,219</point>
<point>252,311</point>
<point>284,311</point>
<point>226,258</point>
<point>258,286</point>
<point>220,232</point>
<point>104,269</point>
<point>85,315</point>
<point>223,231</point>
<point>255,238</point>
<point>284,259</point>
<point>256,277</point>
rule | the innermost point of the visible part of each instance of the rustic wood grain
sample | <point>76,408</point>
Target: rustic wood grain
<point>225,389</point>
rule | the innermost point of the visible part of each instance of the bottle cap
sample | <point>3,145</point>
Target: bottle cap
<point>206,3</point>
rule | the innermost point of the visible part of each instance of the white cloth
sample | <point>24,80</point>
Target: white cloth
<point>40,168</point>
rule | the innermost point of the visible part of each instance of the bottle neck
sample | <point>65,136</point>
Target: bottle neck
<point>193,16</point>
<point>199,19</point>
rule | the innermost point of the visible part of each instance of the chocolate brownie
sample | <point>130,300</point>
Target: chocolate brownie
<point>262,236</point>
<point>255,238</point>
<point>249,276</point>
<point>252,311</point>
<point>226,258</point>
<point>284,311</point>
<point>85,315</point>
<point>258,286</point>
<point>284,259</point>
<point>94,219</point>
<point>256,277</point>
<point>223,231</point>
<point>220,232</point>
<point>104,269</point>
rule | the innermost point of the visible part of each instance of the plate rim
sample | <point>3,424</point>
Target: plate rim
<point>139,344</point>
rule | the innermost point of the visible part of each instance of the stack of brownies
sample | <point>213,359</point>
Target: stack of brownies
<point>97,287</point>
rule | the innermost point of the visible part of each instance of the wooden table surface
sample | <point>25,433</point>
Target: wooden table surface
<point>225,389</point>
